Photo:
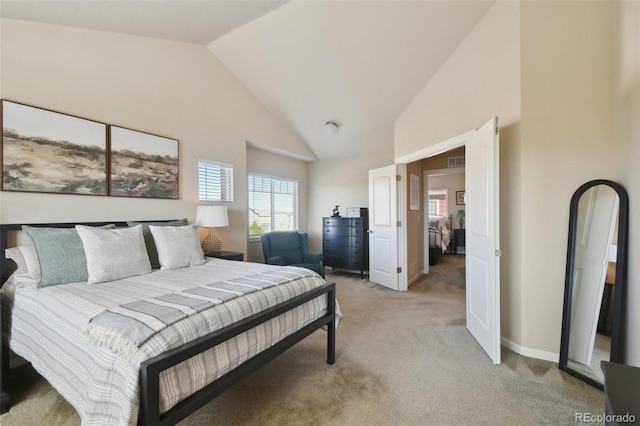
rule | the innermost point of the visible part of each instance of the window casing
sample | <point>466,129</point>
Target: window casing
<point>215,181</point>
<point>273,204</point>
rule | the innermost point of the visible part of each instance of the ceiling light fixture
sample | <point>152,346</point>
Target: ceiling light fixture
<point>331,127</point>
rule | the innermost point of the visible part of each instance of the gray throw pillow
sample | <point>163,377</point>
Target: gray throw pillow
<point>152,251</point>
<point>178,246</point>
<point>61,255</point>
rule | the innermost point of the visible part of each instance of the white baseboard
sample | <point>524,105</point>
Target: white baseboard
<point>529,352</point>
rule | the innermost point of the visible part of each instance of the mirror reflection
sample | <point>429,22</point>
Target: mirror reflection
<point>591,320</point>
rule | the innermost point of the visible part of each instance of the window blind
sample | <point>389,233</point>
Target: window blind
<point>273,204</point>
<point>215,181</point>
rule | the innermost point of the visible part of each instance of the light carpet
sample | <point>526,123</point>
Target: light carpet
<point>403,358</point>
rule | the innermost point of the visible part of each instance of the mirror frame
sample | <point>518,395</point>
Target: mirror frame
<point>620,281</point>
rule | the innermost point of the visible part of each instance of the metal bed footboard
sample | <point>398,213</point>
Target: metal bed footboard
<point>150,369</point>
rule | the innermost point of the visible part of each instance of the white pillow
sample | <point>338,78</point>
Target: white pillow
<point>26,257</point>
<point>178,246</point>
<point>114,253</point>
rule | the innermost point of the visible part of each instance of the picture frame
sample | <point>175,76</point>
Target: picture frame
<point>142,164</point>
<point>460,201</point>
<point>414,192</point>
<point>52,152</point>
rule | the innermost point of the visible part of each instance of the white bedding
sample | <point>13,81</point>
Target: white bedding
<point>440,232</point>
<point>47,329</point>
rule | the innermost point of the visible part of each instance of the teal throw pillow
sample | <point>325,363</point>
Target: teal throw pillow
<point>61,254</point>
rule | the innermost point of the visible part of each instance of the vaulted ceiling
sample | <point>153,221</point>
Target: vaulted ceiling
<point>357,63</point>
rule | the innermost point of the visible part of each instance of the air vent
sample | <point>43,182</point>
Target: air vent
<point>456,161</point>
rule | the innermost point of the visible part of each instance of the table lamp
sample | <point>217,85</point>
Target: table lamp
<point>460,216</point>
<point>211,217</point>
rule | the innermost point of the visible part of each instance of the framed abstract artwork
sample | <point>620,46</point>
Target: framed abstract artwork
<point>142,164</point>
<point>47,151</point>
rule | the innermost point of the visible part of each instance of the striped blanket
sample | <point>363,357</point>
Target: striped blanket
<point>125,327</point>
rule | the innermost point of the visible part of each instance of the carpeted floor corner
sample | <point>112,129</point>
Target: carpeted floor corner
<point>402,359</point>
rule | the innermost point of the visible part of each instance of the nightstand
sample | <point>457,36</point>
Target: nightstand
<point>228,255</point>
<point>458,240</point>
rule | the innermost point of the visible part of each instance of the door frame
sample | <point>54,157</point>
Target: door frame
<point>429,151</point>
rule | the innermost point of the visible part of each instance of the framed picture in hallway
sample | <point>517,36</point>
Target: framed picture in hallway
<point>460,198</point>
<point>414,192</point>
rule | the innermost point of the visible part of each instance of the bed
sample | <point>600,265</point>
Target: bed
<point>439,237</point>
<point>135,350</point>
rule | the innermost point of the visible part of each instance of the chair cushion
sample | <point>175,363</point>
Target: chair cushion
<point>286,245</point>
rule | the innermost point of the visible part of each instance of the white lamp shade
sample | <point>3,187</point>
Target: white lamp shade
<point>212,216</point>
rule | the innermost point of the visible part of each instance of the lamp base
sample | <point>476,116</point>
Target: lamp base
<point>211,243</point>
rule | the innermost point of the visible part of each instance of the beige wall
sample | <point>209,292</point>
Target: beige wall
<point>279,166</point>
<point>626,122</point>
<point>566,140</point>
<point>173,89</point>
<point>481,79</point>
<point>571,116</point>
<point>441,161</point>
<point>339,182</point>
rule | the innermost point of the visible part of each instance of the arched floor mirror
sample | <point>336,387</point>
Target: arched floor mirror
<point>595,280</point>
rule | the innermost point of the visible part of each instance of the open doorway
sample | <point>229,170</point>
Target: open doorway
<point>439,225</point>
<point>443,278</point>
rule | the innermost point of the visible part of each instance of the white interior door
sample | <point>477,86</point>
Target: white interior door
<point>597,213</point>
<point>383,229</point>
<point>483,238</point>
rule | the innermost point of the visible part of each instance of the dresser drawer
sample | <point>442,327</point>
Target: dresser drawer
<point>336,261</point>
<point>342,241</point>
<point>343,251</point>
<point>346,231</point>
<point>334,231</point>
<point>357,222</point>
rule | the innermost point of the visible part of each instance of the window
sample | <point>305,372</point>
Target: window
<point>438,203</point>
<point>215,181</point>
<point>273,204</point>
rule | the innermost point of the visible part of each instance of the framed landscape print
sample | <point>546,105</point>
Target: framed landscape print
<point>47,151</point>
<point>143,165</point>
<point>460,198</point>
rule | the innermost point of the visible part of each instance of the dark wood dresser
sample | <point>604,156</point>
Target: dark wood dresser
<point>345,243</point>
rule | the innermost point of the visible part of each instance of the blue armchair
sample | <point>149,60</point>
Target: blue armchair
<point>290,248</point>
